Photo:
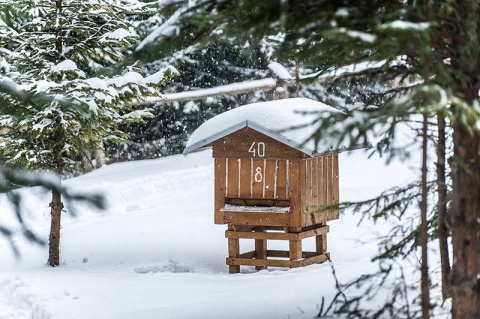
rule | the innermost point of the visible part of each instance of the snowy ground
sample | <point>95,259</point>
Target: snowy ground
<point>156,253</point>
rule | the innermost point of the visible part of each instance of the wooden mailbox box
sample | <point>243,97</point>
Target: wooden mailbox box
<point>269,183</point>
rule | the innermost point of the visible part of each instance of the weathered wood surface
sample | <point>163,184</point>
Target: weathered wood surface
<point>256,218</point>
<point>219,186</point>
<point>244,144</point>
<point>305,260</point>
<point>249,176</point>
<point>323,230</point>
<point>261,257</point>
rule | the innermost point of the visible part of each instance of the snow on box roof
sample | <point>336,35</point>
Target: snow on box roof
<point>279,119</point>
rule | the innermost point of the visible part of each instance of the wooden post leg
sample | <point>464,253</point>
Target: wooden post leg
<point>295,249</point>
<point>233,251</point>
<point>260,248</point>
<point>321,243</point>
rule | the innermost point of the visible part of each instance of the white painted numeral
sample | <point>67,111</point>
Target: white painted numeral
<point>258,175</point>
<point>258,150</point>
<point>261,149</point>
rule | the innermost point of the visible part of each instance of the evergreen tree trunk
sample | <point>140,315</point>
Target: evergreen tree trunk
<point>442,231</point>
<point>56,204</point>
<point>423,227</point>
<point>465,214</point>
<point>464,278</point>
<point>54,242</point>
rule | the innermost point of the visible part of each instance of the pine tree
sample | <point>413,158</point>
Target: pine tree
<point>425,56</point>
<point>200,67</point>
<point>65,49</point>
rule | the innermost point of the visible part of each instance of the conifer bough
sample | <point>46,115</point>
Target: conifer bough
<point>59,51</point>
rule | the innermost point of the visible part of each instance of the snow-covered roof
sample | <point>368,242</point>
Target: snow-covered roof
<point>288,121</point>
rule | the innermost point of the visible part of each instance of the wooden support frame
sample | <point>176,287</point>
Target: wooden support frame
<point>261,257</point>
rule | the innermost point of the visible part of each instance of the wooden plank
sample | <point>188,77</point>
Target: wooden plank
<point>314,232</point>
<point>278,253</point>
<point>260,262</point>
<point>262,235</point>
<point>232,177</point>
<point>250,254</point>
<point>258,178</point>
<point>275,176</point>
<point>297,192</point>
<point>321,243</point>
<point>285,254</point>
<point>233,251</point>
<point>257,201</point>
<point>278,235</point>
<point>314,201</point>
<point>278,263</point>
<point>260,247</point>
<point>245,178</point>
<point>295,249</point>
<point>220,189</point>
<point>269,188</point>
<point>317,181</point>
<point>238,144</point>
<point>314,260</point>
<point>325,183</point>
<point>306,194</point>
<point>321,185</point>
<point>330,189</point>
<point>308,258</point>
<point>316,218</point>
<point>281,179</point>
<point>256,218</point>
<point>336,180</point>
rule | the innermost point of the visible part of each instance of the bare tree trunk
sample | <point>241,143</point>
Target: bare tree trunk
<point>56,205</point>
<point>442,231</point>
<point>465,217</point>
<point>297,78</point>
<point>423,227</point>
<point>54,242</point>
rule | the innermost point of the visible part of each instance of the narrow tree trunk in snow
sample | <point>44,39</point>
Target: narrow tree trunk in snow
<point>54,242</point>
<point>442,230</point>
<point>425,285</point>
<point>56,205</point>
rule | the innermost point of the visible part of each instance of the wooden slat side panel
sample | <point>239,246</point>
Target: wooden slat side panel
<point>314,201</point>
<point>336,188</point>
<point>321,186</point>
<point>319,217</point>
<point>314,187</point>
<point>325,183</point>
<point>220,189</point>
<point>296,187</point>
<point>307,186</point>
<point>329,186</point>
<point>256,218</point>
